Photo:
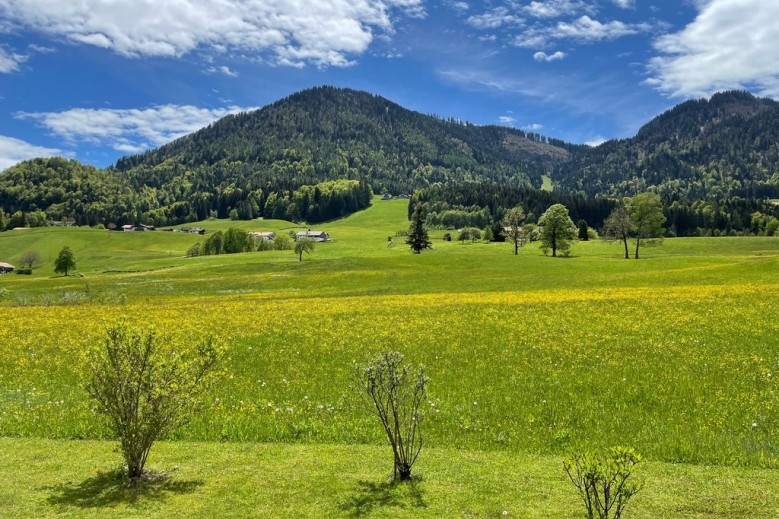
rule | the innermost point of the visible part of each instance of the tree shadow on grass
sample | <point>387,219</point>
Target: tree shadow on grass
<point>106,489</point>
<point>369,495</point>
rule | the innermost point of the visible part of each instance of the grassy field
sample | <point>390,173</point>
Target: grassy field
<point>529,356</point>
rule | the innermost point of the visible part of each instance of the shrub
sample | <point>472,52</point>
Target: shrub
<point>396,393</point>
<point>194,250</point>
<point>147,387</point>
<point>23,271</point>
<point>282,242</point>
<point>602,481</point>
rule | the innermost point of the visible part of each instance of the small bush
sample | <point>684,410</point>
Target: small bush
<point>603,481</point>
<point>282,242</point>
<point>146,387</point>
<point>396,393</point>
<point>25,271</point>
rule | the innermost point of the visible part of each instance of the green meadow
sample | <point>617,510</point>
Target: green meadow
<point>529,357</point>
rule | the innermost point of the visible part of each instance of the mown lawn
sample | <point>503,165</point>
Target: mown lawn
<point>45,478</point>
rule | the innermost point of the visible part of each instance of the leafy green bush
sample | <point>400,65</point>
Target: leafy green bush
<point>603,480</point>
<point>147,387</point>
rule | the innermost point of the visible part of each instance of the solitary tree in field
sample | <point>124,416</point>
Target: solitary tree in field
<point>617,227</point>
<point>418,238</point>
<point>30,258</point>
<point>557,231</point>
<point>396,393</point>
<point>147,387</point>
<point>512,223</point>
<point>646,219</point>
<point>303,245</point>
<point>65,261</point>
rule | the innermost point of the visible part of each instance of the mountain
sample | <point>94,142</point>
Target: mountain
<point>327,133</point>
<point>283,159</point>
<point>725,146</point>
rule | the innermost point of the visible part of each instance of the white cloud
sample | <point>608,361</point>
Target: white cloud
<point>596,141</point>
<point>728,45</point>
<point>15,150</point>
<point>40,49</point>
<point>322,32</point>
<point>128,130</point>
<point>223,69</point>
<point>583,29</point>
<point>495,18</point>
<point>10,61</point>
<point>555,8</point>
<point>624,4</point>
<point>506,119</point>
<point>533,127</point>
<point>460,7</point>
<point>543,56</point>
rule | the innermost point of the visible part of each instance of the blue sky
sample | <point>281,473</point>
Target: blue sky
<point>98,79</point>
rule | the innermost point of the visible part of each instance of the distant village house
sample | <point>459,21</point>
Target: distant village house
<point>263,235</point>
<point>313,235</point>
<point>6,268</point>
<point>193,230</point>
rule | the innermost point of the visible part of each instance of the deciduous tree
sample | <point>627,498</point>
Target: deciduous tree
<point>303,245</point>
<point>646,219</point>
<point>65,261</point>
<point>617,227</point>
<point>512,224</point>
<point>557,230</point>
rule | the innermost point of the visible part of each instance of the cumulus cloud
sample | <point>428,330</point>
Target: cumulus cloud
<point>494,18</point>
<point>10,61</point>
<point>624,4</point>
<point>322,32</point>
<point>555,8</point>
<point>533,127</point>
<point>223,69</point>
<point>728,45</point>
<point>128,130</point>
<point>583,30</point>
<point>595,142</point>
<point>543,56</point>
<point>15,150</point>
<point>506,119</point>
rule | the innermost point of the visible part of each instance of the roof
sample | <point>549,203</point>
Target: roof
<point>6,266</point>
<point>263,234</point>
<point>311,233</point>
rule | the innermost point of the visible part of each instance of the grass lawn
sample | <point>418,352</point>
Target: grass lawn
<point>674,354</point>
<point>45,478</point>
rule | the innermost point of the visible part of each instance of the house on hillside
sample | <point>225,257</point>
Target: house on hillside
<point>313,235</point>
<point>193,230</point>
<point>263,235</point>
<point>386,196</point>
<point>6,268</point>
<point>128,228</point>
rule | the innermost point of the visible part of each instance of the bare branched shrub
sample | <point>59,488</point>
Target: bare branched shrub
<point>602,481</point>
<point>395,393</point>
<point>148,387</point>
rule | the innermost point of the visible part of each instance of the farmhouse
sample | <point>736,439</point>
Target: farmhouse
<point>263,235</point>
<point>386,196</point>
<point>193,230</point>
<point>314,235</point>
<point>6,268</point>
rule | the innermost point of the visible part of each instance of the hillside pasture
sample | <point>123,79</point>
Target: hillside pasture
<point>528,356</point>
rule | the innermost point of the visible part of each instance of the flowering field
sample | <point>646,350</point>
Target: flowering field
<point>682,373</point>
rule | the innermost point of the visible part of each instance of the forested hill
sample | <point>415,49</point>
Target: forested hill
<point>331,133</point>
<point>701,149</point>
<point>270,162</point>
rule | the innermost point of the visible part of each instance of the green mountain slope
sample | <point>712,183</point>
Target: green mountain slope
<point>722,147</point>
